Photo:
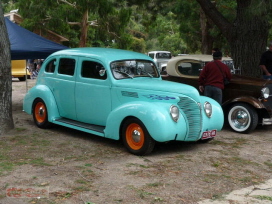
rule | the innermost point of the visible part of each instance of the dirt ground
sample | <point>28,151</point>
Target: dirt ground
<point>61,165</point>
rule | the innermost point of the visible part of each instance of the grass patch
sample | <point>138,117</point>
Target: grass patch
<point>38,162</point>
<point>156,184</point>
<point>261,197</point>
<point>269,164</point>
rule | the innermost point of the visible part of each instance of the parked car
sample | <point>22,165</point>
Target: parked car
<point>119,94</point>
<point>160,58</point>
<point>247,101</point>
<point>19,70</point>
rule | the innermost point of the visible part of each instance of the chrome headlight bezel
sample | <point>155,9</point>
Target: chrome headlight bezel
<point>208,109</point>
<point>265,92</point>
<point>174,113</point>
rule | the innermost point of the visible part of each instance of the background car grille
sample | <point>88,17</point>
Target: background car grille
<point>193,114</point>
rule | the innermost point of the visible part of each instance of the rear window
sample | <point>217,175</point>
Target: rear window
<point>163,55</point>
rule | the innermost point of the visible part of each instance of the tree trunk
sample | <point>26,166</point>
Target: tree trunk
<point>6,120</point>
<point>247,35</point>
<point>248,40</point>
<point>84,30</point>
<point>207,39</point>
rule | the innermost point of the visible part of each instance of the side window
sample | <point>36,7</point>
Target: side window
<point>188,68</point>
<point>93,70</point>
<point>50,67</point>
<point>67,66</point>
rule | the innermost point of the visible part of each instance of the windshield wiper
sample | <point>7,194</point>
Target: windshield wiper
<point>147,73</point>
<point>121,72</point>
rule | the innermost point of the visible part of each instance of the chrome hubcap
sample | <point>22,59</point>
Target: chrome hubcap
<point>41,111</point>
<point>240,118</point>
<point>136,135</point>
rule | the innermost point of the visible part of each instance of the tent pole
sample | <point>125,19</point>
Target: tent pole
<point>26,76</point>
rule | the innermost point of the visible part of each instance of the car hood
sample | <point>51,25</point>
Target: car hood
<point>152,85</point>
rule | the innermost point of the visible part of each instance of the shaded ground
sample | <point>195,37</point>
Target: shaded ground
<point>68,166</point>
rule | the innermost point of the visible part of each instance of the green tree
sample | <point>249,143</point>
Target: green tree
<point>246,33</point>
<point>6,120</point>
<point>90,22</point>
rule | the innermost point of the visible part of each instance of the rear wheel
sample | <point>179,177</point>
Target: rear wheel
<point>40,115</point>
<point>242,118</point>
<point>136,137</point>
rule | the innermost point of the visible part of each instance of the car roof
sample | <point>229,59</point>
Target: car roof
<point>171,65</point>
<point>204,58</point>
<point>109,54</point>
<point>159,51</point>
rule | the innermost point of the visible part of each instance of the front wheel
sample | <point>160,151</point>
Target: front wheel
<point>136,137</point>
<point>40,115</point>
<point>242,118</point>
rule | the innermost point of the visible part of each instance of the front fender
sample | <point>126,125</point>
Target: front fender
<point>216,121</point>
<point>155,117</point>
<point>246,99</point>
<point>43,92</point>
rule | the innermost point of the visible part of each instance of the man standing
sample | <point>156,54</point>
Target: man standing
<point>266,63</point>
<point>211,79</point>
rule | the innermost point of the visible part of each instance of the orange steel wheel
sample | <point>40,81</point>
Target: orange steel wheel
<point>40,112</point>
<point>135,136</point>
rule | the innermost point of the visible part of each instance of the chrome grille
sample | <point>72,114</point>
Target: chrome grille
<point>193,114</point>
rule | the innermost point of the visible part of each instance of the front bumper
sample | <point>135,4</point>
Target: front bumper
<point>267,121</point>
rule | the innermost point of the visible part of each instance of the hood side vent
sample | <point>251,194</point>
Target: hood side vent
<point>130,94</point>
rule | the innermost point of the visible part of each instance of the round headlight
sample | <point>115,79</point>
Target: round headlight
<point>208,109</point>
<point>174,112</point>
<point>265,92</point>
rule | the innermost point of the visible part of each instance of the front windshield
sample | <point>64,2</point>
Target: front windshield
<point>133,68</point>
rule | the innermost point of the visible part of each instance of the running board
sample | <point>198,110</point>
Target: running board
<point>94,129</point>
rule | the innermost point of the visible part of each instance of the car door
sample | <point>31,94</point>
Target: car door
<point>92,93</point>
<point>64,87</point>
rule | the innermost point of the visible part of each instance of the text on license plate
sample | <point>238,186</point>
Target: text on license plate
<point>208,134</point>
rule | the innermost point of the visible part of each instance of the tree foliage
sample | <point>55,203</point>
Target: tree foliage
<point>246,33</point>
<point>239,27</point>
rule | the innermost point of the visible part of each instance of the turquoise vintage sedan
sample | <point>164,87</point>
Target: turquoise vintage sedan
<point>119,94</point>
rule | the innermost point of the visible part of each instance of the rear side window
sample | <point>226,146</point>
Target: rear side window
<point>93,70</point>
<point>67,66</point>
<point>50,67</point>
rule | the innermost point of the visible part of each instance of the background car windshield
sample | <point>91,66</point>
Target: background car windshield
<point>133,68</point>
<point>163,55</point>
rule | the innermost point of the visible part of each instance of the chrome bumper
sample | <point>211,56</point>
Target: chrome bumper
<point>267,121</point>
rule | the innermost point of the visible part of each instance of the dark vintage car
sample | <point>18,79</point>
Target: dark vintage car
<point>247,101</point>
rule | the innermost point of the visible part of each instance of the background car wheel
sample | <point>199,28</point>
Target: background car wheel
<point>242,118</point>
<point>22,78</point>
<point>136,138</point>
<point>40,115</point>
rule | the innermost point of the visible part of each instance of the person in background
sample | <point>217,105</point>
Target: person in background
<point>266,63</point>
<point>211,78</point>
<point>39,64</point>
<point>31,68</point>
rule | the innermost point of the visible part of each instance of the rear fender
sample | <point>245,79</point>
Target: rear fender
<point>44,93</point>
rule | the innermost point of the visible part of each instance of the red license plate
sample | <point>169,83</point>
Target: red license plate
<point>208,134</point>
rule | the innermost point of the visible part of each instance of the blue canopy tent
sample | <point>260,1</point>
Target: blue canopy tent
<point>27,45</point>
